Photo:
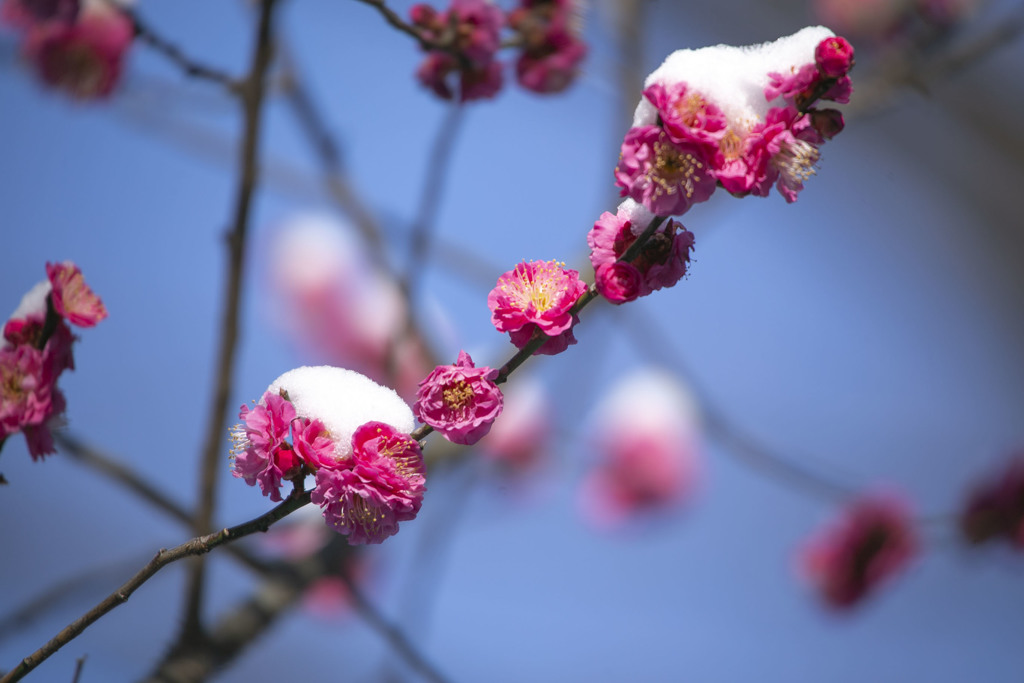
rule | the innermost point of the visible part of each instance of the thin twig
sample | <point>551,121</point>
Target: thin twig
<point>175,54</point>
<point>392,18</point>
<point>439,164</point>
<point>252,102</point>
<point>197,546</point>
<point>399,643</point>
<point>79,663</point>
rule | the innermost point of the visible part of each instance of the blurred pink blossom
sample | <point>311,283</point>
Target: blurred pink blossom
<point>548,33</point>
<point>469,33</point>
<point>84,57</point>
<point>517,441</point>
<point>645,438</point>
<point>995,509</point>
<point>872,542</point>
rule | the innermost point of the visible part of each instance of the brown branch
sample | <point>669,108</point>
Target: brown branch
<point>175,54</point>
<point>197,546</point>
<point>392,18</point>
<point>252,93</point>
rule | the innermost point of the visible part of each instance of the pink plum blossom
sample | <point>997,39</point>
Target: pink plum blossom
<point>460,401</point>
<point>83,58</point>
<point>72,298</point>
<point>661,262</point>
<point>537,295</point>
<point>687,116</point>
<point>366,495</point>
<point>261,451</point>
<point>468,36</point>
<point>548,33</point>
<point>834,57</point>
<point>645,448</point>
<point>25,14</point>
<point>618,281</point>
<point>666,177</point>
<point>995,509</point>
<point>872,542</point>
<point>29,397</point>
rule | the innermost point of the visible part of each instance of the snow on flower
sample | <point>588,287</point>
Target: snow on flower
<point>538,294</point>
<point>645,437</point>
<point>873,541</point>
<point>738,116</point>
<point>348,430</point>
<point>661,262</point>
<point>72,298</point>
<point>460,401</point>
<point>379,485</point>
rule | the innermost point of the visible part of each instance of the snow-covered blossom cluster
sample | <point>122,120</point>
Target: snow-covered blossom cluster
<point>348,430</point>
<point>36,349</point>
<point>739,118</point>
<point>466,37</point>
<point>75,45</point>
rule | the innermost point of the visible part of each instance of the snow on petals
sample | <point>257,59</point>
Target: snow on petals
<point>741,116</point>
<point>460,401</point>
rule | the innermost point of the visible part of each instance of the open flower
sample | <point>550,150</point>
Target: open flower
<point>262,453</point>
<point>367,494</point>
<point>72,298</point>
<point>460,401</point>
<point>537,295</point>
<point>871,543</point>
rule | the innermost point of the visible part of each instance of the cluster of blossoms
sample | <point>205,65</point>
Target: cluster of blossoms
<point>995,510</point>
<point>466,37</point>
<point>75,45</point>
<point>661,262</point>
<point>874,541</point>
<point>892,19</point>
<point>741,118</point>
<point>538,295</point>
<point>646,441</point>
<point>36,349</point>
<point>349,431</point>
<point>460,401</point>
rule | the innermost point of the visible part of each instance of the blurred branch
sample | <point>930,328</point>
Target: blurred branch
<point>197,546</point>
<point>79,663</point>
<point>252,92</point>
<point>396,21</point>
<point>438,166</point>
<point>192,68</point>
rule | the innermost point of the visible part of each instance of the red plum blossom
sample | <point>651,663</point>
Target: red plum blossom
<point>460,401</point>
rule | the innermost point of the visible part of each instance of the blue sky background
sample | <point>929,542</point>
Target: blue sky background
<point>872,332</point>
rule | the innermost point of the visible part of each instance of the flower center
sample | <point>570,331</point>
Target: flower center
<point>11,388</point>
<point>731,145</point>
<point>796,161</point>
<point>457,396</point>
<point>674,169</point>
<point>538,287</point>
<point>690,108</point>
<point>81,71</point>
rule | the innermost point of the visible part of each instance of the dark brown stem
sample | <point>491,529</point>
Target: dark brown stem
<point>175,54</point>
<point>392,18</point>
<point>197,546</point>
<point>252,94</point>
